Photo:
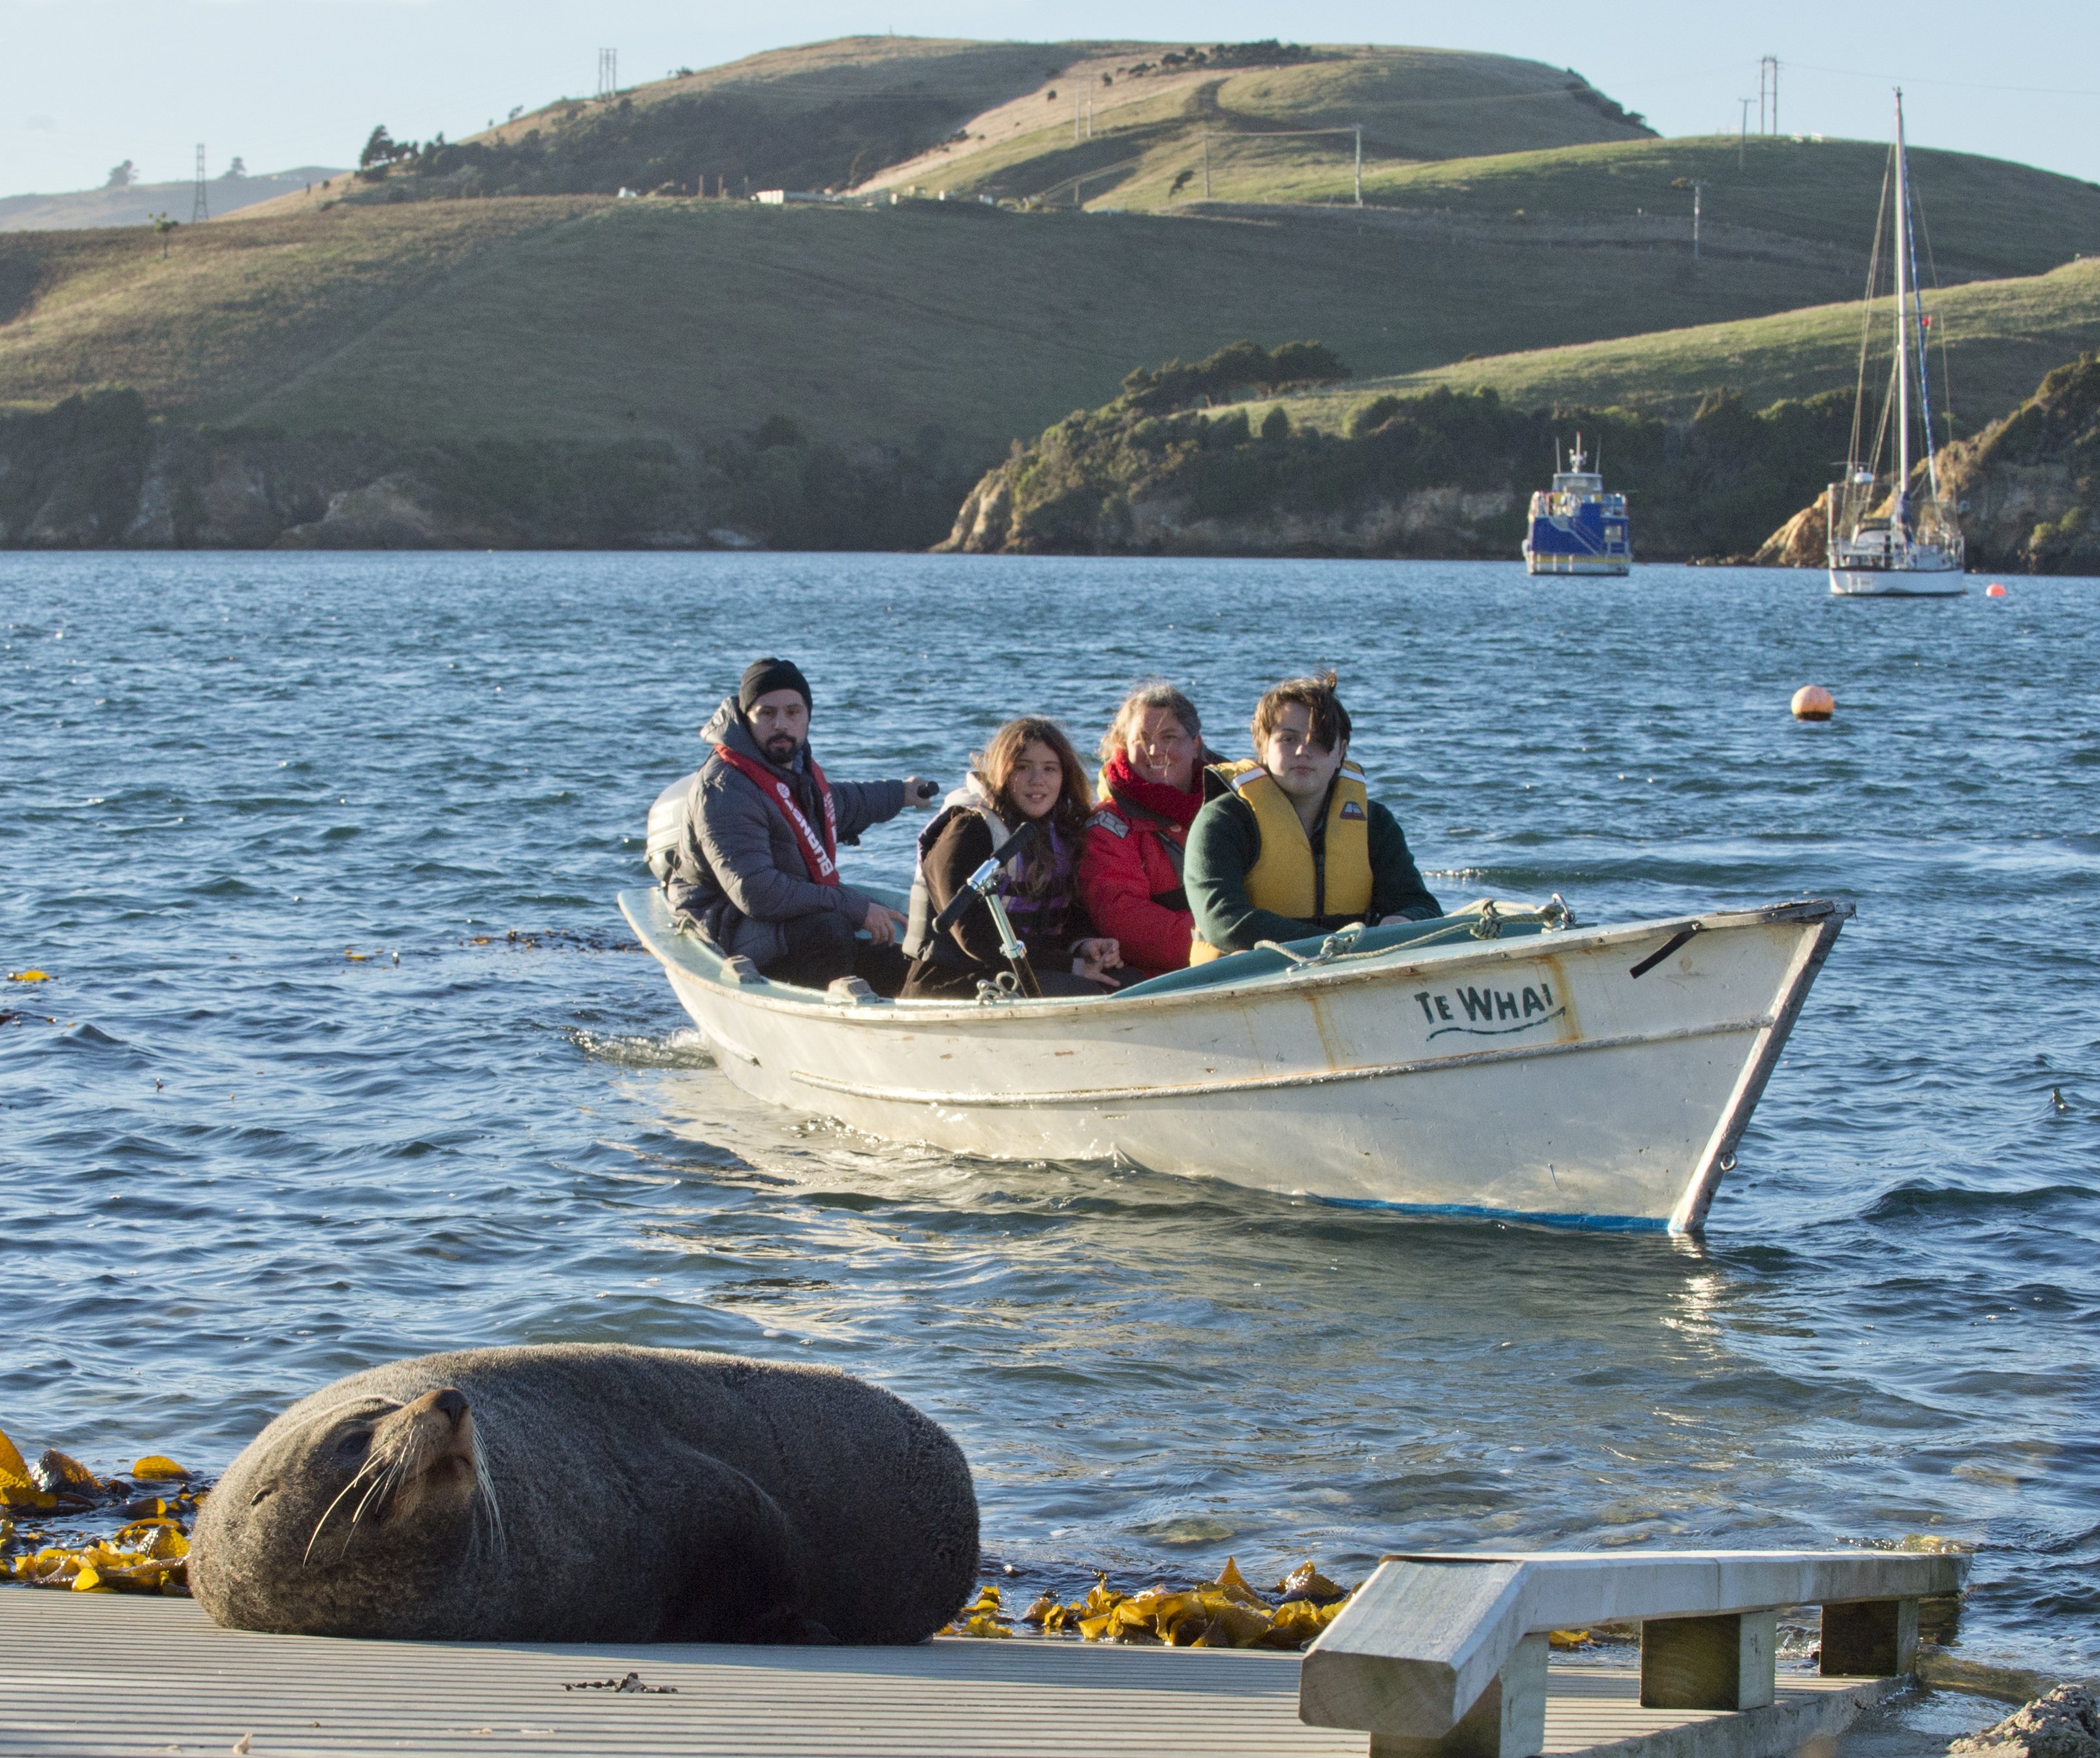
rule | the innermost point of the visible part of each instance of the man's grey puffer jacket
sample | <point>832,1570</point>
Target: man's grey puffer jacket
<point>739,860</point>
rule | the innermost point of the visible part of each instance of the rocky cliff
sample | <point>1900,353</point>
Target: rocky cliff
<point>98,472</point>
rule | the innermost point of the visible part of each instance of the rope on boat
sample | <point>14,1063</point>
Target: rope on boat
<point>1488,919</point>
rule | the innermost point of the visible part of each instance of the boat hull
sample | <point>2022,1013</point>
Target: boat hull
<point>1534,1076</point>
<point>1896,583</point>
<point>1536,563</point>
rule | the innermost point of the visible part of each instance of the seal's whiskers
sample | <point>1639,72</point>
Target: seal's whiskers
<point>314,1538</point>
<point>484,1483</point>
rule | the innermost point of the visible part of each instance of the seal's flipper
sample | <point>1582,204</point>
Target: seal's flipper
<point>745,1579</point>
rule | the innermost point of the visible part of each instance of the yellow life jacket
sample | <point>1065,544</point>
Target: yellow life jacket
<point>1284,878</point>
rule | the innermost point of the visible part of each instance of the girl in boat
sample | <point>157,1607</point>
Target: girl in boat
<point>1027,772</point>
<point>1153,759</point>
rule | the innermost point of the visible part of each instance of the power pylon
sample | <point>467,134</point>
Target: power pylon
<point>1768,85</point>
<point>200,205</point>
<point>608,72</point>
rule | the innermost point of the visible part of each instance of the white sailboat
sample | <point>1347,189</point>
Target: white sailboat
<point>1885,540</point>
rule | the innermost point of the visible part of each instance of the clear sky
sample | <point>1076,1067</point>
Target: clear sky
<point>86,83</point>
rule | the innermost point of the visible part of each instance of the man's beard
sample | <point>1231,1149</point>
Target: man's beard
<point>781,749</point>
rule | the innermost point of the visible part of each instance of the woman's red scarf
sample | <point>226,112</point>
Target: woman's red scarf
<point>1156,797</point>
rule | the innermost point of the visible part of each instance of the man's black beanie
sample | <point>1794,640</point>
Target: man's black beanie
<point>762,676</point>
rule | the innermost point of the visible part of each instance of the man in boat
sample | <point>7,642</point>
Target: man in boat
<point>756,863</point>
<point>1291,845</point>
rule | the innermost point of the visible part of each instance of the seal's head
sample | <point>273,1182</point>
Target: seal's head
<point>350,1504</point>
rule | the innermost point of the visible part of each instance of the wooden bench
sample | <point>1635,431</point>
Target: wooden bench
<point>1444,1655</point>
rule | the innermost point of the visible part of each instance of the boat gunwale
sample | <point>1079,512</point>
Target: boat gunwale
<point>889,1013</point>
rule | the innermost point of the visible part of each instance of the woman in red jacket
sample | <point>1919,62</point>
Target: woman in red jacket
<point>1152,786</point>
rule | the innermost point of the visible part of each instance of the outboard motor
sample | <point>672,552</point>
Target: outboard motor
<point>667,818</point>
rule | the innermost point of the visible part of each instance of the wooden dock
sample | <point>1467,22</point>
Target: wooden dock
<point>93,1673</point>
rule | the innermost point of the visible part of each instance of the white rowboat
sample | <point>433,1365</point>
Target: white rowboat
<point>1501,1062</point>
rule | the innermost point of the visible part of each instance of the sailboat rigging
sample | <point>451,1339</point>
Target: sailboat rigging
<point>1889,537</point>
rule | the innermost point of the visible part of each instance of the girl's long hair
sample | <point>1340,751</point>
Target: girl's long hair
<point>994,768</point>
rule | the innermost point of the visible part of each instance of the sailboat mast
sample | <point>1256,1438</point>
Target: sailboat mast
<point>1902,320</point>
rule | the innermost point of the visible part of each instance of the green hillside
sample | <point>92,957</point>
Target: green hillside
<point>1144,143</point>
<point>1977,216</point>
<point>1774,196</point>
<point>813,116</point>
<point>586,321</point>
<point>834,115</point>
<point>2000,337</point>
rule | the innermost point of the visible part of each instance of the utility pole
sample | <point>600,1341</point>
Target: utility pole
<point>1698,186</point>
<point>608,74</point>
<point>1359,164</point>
<point>1742,140</point>
<point>1206,164</point>
<point>1075,116</point>
<point>200,205</point>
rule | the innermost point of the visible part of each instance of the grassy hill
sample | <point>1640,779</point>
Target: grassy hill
<point>1147,121</point>
<point>836,114</point>
<point>813,116</point>
<point>575,318</point>
<point>1979,216</point>
<point>1457,139</point>
<point>2000,337</point>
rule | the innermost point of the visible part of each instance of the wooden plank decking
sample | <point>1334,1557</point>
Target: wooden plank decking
<point>83,1673</point>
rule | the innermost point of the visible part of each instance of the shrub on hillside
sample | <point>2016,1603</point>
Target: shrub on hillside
<point>1238,369</point>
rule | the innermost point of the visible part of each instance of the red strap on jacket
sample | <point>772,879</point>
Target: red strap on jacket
<point>820,858</point>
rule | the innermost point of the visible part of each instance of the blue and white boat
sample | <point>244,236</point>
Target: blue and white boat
<point>1576,527</point>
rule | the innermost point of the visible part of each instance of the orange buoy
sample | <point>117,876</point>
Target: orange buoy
<point>1994,590</point>
<point>1811,701</point>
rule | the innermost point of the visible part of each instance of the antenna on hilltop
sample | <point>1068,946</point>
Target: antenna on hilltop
<point>608,72</point>
<point>200,206</point>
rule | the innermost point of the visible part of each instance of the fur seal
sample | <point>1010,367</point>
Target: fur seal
<point>592,1492</point>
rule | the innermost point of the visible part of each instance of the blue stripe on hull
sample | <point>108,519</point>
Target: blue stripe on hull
<point>1472,1212</point>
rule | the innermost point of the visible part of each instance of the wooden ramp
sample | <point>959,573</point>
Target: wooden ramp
<point>93,1673</point>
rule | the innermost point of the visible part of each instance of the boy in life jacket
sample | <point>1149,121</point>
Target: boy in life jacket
<point>756,858</point>
<point>1294,848</point>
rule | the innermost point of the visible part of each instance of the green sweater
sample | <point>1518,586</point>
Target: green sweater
<point>1225,841</point>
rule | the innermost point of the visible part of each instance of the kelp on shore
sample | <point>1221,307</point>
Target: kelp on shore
<point>1224,1613</point>
<point>48,1511</point>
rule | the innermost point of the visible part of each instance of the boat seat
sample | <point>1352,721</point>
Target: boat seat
<point>1237,967</point>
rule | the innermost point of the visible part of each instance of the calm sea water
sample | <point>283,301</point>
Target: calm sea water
<point>237,1160</point>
